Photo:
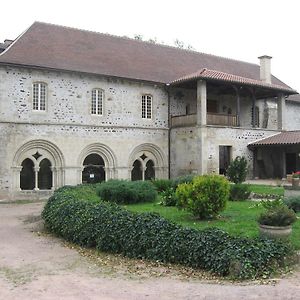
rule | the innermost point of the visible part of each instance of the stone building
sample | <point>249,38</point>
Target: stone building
<point>78,106</point>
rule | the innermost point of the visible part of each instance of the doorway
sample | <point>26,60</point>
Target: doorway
<point>224,158</point>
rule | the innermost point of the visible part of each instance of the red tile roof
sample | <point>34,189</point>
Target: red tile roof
<point>57,47</point>
<point>225,77</point>
<point>283,138</point>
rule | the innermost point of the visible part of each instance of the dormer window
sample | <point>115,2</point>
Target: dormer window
<point>97,102</point>
<point>147,106</point>
<point>39,96</point>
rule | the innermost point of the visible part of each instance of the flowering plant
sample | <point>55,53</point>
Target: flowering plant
<point>296,174</point>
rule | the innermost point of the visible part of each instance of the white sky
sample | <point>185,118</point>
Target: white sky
<point>236,29</point>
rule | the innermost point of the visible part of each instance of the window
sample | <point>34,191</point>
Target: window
<point>39,96</point>
<point>97,102</point>
<point>146,106</point>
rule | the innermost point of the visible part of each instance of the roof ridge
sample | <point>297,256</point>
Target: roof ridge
<point>147,42</point>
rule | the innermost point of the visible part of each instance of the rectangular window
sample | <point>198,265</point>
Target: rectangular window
<point>146,106</point>
<point>97,102</point>
<point>39,96</point>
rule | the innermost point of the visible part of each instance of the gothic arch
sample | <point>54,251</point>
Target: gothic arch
<point>38,150</point>
<point>108,156</point>
<point>145,153</point>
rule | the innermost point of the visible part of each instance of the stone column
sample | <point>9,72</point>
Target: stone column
<point>36,174</point>
<point>201,160</point>
<point>281,112</point>
<point>201,102</point>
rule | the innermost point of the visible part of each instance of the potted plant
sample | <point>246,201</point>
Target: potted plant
<point>296,178</point>
<point>276,221</point>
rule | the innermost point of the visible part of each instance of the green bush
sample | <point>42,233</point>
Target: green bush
<point>239,192</point>
<point>205,196</point>
<point>237,170</point>
<point>126,192</point>
<point>277,216</point>
<point>168,197</point>
<point>111,228</point>
<point>182,179</point>
<point>161,185</point>
<point>293,203</point>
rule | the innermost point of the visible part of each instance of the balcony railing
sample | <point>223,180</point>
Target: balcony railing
<point>212,119</point>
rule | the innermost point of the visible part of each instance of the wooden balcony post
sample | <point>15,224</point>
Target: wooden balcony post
<point>238,105</point>
<point>201,103</point>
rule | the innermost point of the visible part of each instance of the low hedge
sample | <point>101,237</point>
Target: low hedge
<point>239,192</point>
<point>108,227</point>
<point>126,192</point>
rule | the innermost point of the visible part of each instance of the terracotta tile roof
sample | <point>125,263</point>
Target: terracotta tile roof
<point>221,76</point>
<point>57,47</point>
<point>294,98</point>
<point>283,138</point>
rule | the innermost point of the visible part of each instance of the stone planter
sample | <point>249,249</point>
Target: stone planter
<point>295,181</point>
<point>289,178</point>
<point>275,232</point>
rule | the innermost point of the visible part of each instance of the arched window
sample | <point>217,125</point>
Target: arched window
<point>97,102</point>
<point>39,96</point>
<point>149,172</point>
<point>27,175</point>
<point>93,171</point>
<point>137,171</point>
<point>45,175</point>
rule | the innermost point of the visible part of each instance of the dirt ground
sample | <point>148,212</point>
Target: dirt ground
<point>35,265</point>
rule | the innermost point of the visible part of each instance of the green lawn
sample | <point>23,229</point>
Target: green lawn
<point>239,218</point>
<point>266,189</point>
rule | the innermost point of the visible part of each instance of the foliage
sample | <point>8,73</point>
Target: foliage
<point>239,192</point>
<point>168,197</point>
<point>277,216</point>
<point>111,228</point>
<point>161,185</point>
<point>296,174</point>
<point>125,192</point>
<point>293,203</point>
<point>237,170</point>
<point>205,196</point>
<point>182,179</point>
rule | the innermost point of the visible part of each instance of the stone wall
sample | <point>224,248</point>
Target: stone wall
<point>68,126</point>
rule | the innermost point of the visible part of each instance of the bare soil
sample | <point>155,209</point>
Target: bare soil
<point>36,265</point>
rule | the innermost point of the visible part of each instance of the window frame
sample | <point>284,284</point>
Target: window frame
<point>39,104</point>
<point>147,105</point>
<point>94,108</point>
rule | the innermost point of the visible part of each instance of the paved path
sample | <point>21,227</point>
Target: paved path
<point>34,266</point>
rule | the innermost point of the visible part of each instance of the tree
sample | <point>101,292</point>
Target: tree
<point>237,170</point>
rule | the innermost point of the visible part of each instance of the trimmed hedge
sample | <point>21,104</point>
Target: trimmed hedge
<point>239,192</point>
<point>126,192</point>
<point>293,203</point>
<point>111,228</point>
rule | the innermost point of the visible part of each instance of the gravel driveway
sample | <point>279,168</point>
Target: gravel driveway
<point>34,265</point>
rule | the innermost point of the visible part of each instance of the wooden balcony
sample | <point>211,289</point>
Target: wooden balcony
<point>212,119</point>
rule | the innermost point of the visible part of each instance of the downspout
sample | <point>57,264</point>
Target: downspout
<point>167,88</point>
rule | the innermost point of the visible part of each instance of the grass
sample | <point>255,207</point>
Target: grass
<point>266,189</point>
<point>238,219</point>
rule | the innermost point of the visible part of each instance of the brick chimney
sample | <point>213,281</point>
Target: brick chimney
<point>265,68</point>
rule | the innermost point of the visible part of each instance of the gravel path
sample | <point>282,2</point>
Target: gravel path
<point>38,266</point>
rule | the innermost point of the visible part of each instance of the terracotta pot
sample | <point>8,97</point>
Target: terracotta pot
<point>295,181</point>
<point>275,232</point>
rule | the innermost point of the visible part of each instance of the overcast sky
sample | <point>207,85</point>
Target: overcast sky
<point>236,29</point>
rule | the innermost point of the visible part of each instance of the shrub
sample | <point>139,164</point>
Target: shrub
<point>205,196</point>
<point>161,185</point>
<point>112,228</point>
<point>277,216</point>
<point>182,179</point>
<point>126,192</point>
<point>237,170</point>
<point>293,203</point>
<point>168,197</point>
<point>239,192</point>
